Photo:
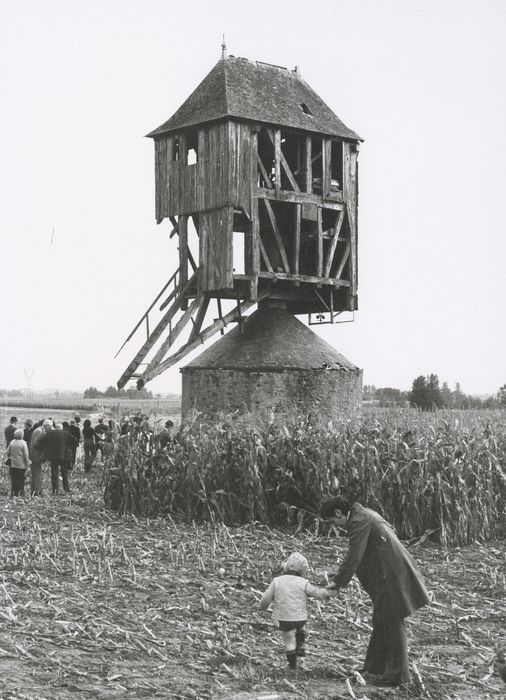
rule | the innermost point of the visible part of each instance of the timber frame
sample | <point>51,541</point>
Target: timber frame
<point>293,197</point>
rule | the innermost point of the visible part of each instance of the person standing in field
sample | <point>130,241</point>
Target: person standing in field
<point>28,430</point>
<point>17,453</point>
<point>288,594</point>
<point>165,436</point>
<point>89,445</point>
<point>36,450</point>
<point>75,431</point>
<point>389,575</point>
<point>100,433</point>
<point>10,430</point>
<point>57,448</point>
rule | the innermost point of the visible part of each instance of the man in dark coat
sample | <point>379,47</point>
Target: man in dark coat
<point>75,430</point>
<point>58,444</point>
<point>390,577</point>
<point>10,430</point>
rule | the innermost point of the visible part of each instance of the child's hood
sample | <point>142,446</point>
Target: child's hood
<point>297,562</point>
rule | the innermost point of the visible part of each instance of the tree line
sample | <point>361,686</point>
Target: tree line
<point>427,395</point>
<point>113,393</point>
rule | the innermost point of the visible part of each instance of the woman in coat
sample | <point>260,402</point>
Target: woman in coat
<point>17,453</point>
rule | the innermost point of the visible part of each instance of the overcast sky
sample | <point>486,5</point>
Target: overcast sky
<point>423,82</point>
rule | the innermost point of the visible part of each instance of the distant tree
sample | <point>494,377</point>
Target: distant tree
<point>425,393</point>
<point>501,395</point>
<point>418,396</point>
<point>111,392</point>
<point>92,393</point>
<point>435,397</point>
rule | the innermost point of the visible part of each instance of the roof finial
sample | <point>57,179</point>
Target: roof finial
<point>223,48</point>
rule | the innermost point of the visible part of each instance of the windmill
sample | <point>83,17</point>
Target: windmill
<point>258,179</point>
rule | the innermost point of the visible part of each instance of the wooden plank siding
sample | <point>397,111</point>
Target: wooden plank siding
<point>221,176</point>
<point>350,194</point>
<point>216,259</point>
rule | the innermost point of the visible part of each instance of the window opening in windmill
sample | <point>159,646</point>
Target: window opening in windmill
<point>292,176</point>
<point>306,109</point>
<point>241,230</point>
<point>336,167</point>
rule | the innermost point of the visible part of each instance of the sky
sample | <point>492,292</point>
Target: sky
<point>82,257</point>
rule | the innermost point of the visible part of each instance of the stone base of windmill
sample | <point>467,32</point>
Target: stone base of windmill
<point>273,363</point>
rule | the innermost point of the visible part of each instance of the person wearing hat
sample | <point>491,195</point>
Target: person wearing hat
<point>288,594</point>
<point>19,461</point>
<point>10,430</point>
<point>28,429</point>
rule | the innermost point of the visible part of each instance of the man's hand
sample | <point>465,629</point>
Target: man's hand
<point>332,587</point>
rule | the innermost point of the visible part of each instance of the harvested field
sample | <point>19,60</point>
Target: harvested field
<point>93,605</point>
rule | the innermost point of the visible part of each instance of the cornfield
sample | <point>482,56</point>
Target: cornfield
<point>443,473</point>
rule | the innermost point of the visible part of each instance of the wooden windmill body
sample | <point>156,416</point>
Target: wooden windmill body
<point>266,174</point>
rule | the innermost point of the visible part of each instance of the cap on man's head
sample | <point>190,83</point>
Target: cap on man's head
<point>29,422</point>
<point>14,419</point>
<point>169,424</point>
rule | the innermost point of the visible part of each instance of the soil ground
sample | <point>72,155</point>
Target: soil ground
<point>97,606</point>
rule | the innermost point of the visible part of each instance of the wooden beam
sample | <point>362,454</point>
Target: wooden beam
<point>253,259</point>
<point>344,259</point>
<point>333,244</point>
<point>277,156</point>
<point>326,166</point>
<point>296,197</point>
<point>183,248</point>
<point>263,172</point>
<point>304,278</point>
<point>319,252</point>
<point>264,255</point>
<point>175,228</point>
<point>308,164</point>
<point>199,319</point>
<point>296,243</point>
<point>156,333</point>
<point>204,335</point>
<point>182,155</point>
<point>285,165</point>
<point>277,235</point>
<point>173,335</point>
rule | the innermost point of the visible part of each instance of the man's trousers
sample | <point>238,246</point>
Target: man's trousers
<point>387,653</point>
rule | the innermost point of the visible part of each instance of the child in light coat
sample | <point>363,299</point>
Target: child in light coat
<point>288,594</point>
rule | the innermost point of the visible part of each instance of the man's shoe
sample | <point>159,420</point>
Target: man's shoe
<point>383,681</point>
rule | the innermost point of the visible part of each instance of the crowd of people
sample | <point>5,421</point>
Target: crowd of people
<point>29,447</point>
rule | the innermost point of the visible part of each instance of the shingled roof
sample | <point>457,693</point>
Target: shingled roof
<point>272,339</point>
<point>243,89</point>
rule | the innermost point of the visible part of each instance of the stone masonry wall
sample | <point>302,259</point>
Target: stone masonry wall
<point>333,393</point>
